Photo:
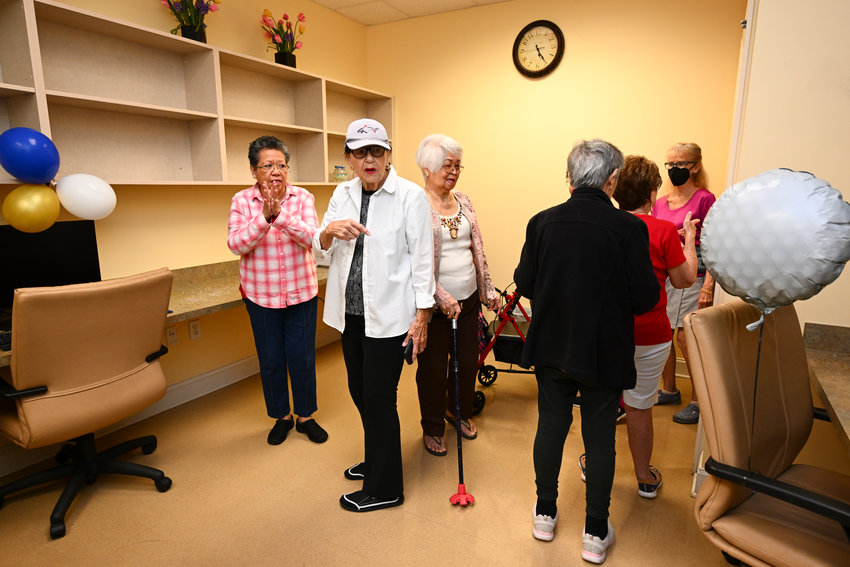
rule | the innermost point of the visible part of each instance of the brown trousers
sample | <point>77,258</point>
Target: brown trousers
<point>435,379</point>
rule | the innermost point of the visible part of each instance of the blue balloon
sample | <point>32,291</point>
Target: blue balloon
<point>29,155</point>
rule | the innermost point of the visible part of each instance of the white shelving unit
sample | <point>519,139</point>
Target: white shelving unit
<point>138,106</point>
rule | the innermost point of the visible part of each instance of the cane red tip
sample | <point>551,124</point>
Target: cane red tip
<point>462,497</point>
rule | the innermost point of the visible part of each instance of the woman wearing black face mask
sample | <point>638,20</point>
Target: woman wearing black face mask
<point>689,194</point>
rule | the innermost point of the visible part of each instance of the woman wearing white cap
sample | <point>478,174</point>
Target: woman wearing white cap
<point>380,293</point>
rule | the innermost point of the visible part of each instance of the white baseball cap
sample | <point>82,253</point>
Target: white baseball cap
<point>366,132</point>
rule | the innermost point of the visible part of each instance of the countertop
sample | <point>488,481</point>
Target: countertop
<point>201,290</point>
<point>828,353</point>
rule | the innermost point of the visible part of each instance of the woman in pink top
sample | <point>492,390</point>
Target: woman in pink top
<point>271,227</point>
<point>689,195</point>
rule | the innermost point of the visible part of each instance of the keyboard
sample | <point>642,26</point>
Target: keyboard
<point>5,340</point>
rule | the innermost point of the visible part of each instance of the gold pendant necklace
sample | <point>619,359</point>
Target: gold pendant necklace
<point>452,223</point>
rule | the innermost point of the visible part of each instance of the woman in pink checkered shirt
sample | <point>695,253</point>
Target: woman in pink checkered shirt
<point>271,227</point>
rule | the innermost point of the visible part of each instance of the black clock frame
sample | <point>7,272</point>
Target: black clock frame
<point>558,54</point>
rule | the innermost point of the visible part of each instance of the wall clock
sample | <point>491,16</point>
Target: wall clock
<point>538,48</point>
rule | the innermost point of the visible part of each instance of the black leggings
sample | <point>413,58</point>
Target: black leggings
<point>556,392</point>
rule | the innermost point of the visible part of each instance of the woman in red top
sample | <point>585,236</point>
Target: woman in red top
<point>636,191</point>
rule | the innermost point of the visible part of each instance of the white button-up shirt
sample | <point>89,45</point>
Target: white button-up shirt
<point>398,264</point>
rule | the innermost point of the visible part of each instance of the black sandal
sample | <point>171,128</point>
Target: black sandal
<point>463,423</point>
<point>432,451</point>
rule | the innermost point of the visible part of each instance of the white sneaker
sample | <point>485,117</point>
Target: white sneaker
<point>543,527</point>
<point>594,548</point>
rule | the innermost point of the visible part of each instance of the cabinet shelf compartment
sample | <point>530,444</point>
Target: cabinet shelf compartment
<point>346,103</point>
<point>258,90</point>
<point>122,63</point>
<point>306,151</point>
<point>135,147</point>
<point>18,108</point>
<point>15,57</point>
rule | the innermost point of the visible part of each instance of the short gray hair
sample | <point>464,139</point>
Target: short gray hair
<point>433,150</point>
<point>591,163</point>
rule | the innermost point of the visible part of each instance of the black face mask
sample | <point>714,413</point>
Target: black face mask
<point>679,175</point>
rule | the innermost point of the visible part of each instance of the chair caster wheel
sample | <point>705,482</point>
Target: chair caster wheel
<point>163,484</point>
<point>57,530</point>
<point>478,401</point>
<point>149,448</point>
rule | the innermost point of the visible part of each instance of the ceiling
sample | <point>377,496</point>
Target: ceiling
<point>373,12</point>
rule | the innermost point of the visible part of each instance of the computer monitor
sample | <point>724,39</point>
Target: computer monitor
<point>65,253</point>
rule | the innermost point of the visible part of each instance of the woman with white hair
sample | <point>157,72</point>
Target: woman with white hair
<point>463,282</point>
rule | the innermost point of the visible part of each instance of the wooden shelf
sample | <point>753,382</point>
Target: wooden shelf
<point>170,111</point>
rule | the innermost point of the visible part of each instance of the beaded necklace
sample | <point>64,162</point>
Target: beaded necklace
<point>452,223</point>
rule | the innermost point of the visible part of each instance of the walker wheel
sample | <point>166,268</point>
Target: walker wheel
<point>487,375</point>
<point>478,401</point>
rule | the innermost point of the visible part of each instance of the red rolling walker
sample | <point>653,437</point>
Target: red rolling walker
<point>505,341</point>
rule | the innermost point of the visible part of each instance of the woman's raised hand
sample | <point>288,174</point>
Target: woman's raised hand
<point>689,227</point>
<point>271,200</point>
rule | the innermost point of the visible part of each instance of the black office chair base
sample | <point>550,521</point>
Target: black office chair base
<point>80,461</point>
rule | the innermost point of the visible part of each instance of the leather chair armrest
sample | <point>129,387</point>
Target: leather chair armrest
<point>10,393</point>
<point>812,501</point>
<point>820,413</point>
<point>154,355</point>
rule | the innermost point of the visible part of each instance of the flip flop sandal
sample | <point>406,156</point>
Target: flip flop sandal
<point>432,451</point>
<point>464,424</point>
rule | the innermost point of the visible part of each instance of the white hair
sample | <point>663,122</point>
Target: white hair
<point>433,150</point>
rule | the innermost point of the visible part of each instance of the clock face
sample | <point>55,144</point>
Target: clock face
<point>538,48</point>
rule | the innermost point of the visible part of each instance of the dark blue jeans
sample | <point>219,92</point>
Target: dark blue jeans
<point>556,392</point>
<point>374,368</point>
<point>286,340</point>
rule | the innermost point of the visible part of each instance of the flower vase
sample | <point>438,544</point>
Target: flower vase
<point>190,32</point>
<point>287,59</point>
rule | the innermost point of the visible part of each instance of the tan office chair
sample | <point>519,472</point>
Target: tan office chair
<point>84,357</point>
<point>755,505</point>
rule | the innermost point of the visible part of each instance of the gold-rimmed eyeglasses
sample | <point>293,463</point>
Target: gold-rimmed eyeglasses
<point>449,168</point>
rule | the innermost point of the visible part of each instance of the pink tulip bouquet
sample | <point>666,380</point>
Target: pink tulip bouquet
<point>283,35</point>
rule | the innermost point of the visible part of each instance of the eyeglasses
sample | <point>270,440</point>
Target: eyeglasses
<point>268,167</point>
<point>448,168</point>
<point>671,164</point>
<point>376,151</point>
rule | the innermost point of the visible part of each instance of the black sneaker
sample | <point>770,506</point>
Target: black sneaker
<point>278,433</point>
<point>356,472</point>
<point>313,431</point>
<point>361,502</point>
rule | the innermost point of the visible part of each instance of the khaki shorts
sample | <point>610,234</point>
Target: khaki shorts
<point>649,362</point>
<point>680,302</point>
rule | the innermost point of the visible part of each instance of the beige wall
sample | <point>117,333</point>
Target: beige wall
<point>797,111</point>
<point>642,75</point>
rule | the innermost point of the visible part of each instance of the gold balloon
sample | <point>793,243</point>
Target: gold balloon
<point>31,208</point>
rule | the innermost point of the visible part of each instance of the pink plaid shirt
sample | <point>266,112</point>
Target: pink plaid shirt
<point>276,264</point>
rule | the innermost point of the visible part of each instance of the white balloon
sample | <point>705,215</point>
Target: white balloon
<point>777,237</point>
<point>86,196</point>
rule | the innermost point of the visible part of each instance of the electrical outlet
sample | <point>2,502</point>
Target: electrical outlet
<point>171,335</point>
<point>194,330</point>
